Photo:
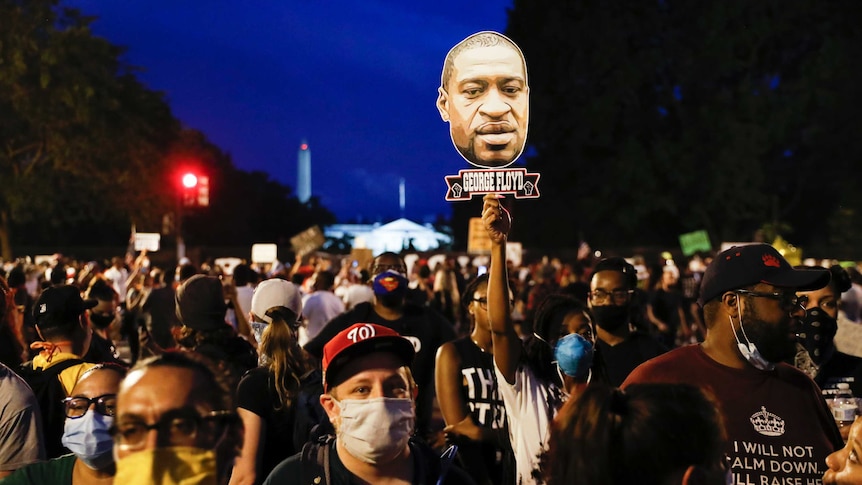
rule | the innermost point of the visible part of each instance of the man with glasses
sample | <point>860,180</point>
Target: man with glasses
<point>620,348</point>
<point>778,426</point>
<point>426,329</point>
<point>175,423</point>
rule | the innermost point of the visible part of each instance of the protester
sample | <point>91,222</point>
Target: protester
<point>665,309</point>
<point>359,291</point>
<point>469,400</point>
<point>201,309</point>
<point>751,311</point>
<point>844,465</point>
<point>267,396</point>
<point>21,441</point>
<point>817,355</point>
<point>160,310</point>
<point>369,398</point>
<point>620,347</point>
<point>12,344</point>
<point>188,436</point>
<point>650,434</point>
<point>89,416</point>
<point>566,325</point>
<point>426,329</point>
<point>60,322</point>
<point>103,316</point>
<point>320,306</point>
<point>531,393</point>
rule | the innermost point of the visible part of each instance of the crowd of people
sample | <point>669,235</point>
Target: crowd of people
<point>607,371</point>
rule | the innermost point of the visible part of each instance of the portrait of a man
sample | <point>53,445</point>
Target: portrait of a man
<point>484,97</point>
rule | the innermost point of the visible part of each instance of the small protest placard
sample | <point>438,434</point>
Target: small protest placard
<point>478,241</point>
<point>692,242</point>
<point>147,240</point>
<point>362,256</point>
<point>308,240</point>
<point>264,253</point>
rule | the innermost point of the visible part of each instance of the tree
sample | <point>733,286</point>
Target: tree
<point>81,137</point>
<point>649,119</point>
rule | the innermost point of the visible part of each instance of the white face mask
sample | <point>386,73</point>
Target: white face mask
<point>375,430</point>
<point>749,352</point>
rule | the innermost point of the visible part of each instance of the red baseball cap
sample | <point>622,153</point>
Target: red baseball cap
<point>362,339</point>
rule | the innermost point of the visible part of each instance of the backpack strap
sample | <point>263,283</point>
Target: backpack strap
<point>314,458</point>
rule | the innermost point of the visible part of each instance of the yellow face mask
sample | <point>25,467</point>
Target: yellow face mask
<point>179,465</point>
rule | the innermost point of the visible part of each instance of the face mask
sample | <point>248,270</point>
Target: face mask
<point>179,465</point>
<point>101,321</point>
<point>257,329</point>
<point>574,356</point>
<point>818,334</point>
<point>749,352</point>
<point>390,288</point>
<point>375,430</point>
<point>88,438</point>
<point>611,317</point>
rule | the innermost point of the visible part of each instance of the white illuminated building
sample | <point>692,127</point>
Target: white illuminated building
<point>396,236</point>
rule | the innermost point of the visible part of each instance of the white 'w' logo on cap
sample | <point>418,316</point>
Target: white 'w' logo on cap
<point>359,334</point>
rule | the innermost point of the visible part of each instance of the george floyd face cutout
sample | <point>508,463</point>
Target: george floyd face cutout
<point>484,97</point>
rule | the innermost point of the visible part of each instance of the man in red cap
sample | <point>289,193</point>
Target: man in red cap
<point>423,327</point>
<point>369,398</point>
<point>778,426</point>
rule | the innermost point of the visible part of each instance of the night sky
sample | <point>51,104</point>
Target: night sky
<point>357,80</point>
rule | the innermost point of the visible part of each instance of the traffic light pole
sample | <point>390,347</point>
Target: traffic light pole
<point>181,244</point>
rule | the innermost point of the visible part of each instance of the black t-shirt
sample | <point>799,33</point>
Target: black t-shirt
<point>426,329</point>
<point>483,461</point>
<point>103,350</point>
<point>616,362</point>
<point>665,306</point>
<point>256,393</point>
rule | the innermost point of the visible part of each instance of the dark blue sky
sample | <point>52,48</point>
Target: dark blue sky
<point>357,79</point>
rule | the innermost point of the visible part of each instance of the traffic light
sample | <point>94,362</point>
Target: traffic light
<point>196,190</point>
<point>190,180</point>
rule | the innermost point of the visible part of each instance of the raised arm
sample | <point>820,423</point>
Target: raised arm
<point>507,345</point>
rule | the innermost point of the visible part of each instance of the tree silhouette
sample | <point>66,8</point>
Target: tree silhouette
<point>650,119</point>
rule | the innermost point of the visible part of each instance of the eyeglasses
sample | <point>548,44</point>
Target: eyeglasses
<point>787,300</point>
<point>181,427</point>
<point>77,407</point>
<point>601,296</point>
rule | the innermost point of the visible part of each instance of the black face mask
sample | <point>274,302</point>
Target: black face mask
<point>101,321</point>
<point>817,334</point>
<point>611,317</point>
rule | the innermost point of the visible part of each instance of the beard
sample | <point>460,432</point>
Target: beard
<point>771,338</point>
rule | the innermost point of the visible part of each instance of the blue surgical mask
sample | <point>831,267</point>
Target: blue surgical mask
<point>89,439</point>
<point>574,355</point>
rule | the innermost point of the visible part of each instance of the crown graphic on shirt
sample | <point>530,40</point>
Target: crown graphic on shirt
<point>766,423</point>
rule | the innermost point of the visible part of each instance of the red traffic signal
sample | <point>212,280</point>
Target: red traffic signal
<point>190,180</point>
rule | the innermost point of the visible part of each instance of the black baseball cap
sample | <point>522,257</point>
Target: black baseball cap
<point>60,306</point>
<point>200,303</point>
<point>742,266</point>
